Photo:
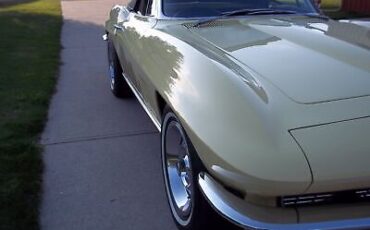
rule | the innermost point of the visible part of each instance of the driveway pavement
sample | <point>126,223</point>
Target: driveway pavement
<point>102,162</point>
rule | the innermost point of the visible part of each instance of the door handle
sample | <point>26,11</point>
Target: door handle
<point>118,27</point>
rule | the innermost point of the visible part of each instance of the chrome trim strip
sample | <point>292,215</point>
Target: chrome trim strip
<point>118,27</point>
<point>157,12</point>
<point>214,193</point>
<point>142,103</point>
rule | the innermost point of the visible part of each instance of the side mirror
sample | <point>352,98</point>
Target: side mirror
<point>122,13</point>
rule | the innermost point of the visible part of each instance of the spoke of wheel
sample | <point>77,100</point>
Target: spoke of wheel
<point>186,206</point>
<point>172,161</point>
<point>182,142</point>
<point>188,190</point>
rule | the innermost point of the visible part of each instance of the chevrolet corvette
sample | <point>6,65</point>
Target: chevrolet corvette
<point>263,108</point>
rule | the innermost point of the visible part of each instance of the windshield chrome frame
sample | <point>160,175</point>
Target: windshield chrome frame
<point>157,13</point>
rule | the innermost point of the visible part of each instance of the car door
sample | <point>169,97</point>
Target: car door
<point>120,39</point>
<point>130,35</point>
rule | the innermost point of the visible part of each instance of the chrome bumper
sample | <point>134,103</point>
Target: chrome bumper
<point>221,200</point>
<point>105,37</point>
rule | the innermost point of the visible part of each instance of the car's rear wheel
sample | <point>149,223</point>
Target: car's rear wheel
<point>118,85</point>
<point>181,167</point>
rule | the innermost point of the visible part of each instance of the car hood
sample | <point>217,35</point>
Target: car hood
<point>310,60</point>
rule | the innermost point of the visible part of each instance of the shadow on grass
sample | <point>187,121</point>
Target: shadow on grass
<point>29,59</point>
<point>7,3</point>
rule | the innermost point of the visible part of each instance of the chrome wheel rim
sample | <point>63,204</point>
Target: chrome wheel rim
<point>111,74</point>
<point>178,169</point>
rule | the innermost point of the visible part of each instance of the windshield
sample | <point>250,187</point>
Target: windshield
<point>207,8</point>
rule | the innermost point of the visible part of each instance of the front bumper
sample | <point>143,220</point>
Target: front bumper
<point>253,217</point>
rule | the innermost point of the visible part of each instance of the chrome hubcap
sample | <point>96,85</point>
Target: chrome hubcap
<point>179,170</point>
<point>111,74</point>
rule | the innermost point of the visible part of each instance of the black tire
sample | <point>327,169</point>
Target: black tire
<point>118,85</point>
<point>201,216</point>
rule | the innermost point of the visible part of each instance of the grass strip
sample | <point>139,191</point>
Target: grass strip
<point>29,60</point>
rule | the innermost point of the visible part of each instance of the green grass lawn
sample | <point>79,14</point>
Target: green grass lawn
<point>331,4</point>
<point>29,60</point>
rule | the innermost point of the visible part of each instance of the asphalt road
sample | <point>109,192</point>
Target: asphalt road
<point>102,161</point>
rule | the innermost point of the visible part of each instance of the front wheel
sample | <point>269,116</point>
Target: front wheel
<point>181,167</point>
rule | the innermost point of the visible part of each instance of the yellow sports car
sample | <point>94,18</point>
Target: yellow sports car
<point>263,108</point>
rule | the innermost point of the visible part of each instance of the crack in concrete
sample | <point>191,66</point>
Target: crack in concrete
<point>97,137</point>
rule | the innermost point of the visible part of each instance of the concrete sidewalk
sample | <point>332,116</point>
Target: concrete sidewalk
<point>102,156</point>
